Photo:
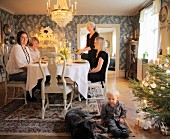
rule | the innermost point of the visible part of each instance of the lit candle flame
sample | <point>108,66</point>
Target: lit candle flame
<point>145,102</point>
<point>168,50</point>
<point>75,6</point>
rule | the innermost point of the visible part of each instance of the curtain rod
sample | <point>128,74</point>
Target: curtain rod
<point>147,5</point>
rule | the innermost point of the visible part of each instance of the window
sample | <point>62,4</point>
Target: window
<point>148,40</point>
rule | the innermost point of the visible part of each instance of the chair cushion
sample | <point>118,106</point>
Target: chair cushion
<point>95,84</point>
<point>16,82</point>
<point>67,79</point>
<point>60,85</point>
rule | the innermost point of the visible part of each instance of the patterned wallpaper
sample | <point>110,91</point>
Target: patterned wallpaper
<point>33,23</point>
<point>7,18</point>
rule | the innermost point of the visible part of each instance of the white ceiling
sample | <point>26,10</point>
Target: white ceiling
<point>84,7</point>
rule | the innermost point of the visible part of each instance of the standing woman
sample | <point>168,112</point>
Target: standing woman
<point>91,27</point>
<point>33,45</point>
<point>98,72</point>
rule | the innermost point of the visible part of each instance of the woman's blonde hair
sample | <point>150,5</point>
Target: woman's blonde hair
<point>91,24</point>
<point>113,93</point>
<point>33,39</point>
<point>101,43</point>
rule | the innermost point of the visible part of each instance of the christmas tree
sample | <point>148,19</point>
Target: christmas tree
<point>153,92</point>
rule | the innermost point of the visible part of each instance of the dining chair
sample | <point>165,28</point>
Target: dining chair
<point>98,85</point>
<point>71,82</point>
<point>54,86</point>
<point>14,84</point>
<point>2,75</point>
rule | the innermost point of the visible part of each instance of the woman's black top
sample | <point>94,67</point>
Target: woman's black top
<point>90,41</point>
<point>91,53</point>
<point>99,76</point>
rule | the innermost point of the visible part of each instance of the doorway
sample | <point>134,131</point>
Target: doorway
<point>109,31</point>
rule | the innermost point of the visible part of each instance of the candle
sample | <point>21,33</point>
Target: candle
<point>72,8</point>
<point>145,102</point>
<point>143,82</point>
<point>168,50</point>
<point>135,34</point>
<point>69,4</point>
<point>49,39</point>
<point>47,6</point>
<point>69,44</point>
<point>56,49</point>
<point>59,60</point>
<point>75,6</point>
<point>60,43</point>
<point>157,61</point>
<point>7,49</point>
<point>49,2</point>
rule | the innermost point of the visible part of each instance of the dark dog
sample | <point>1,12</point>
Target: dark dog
<point>81,125</point>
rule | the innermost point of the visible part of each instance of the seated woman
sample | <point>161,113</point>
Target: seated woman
<point>97,73</point>
<point>19,60</point>
<point>33,45</point>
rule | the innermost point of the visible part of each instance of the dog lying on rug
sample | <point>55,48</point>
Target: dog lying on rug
<point>82,126</point>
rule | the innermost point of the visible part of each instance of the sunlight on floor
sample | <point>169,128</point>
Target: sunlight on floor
<point>111,80</point>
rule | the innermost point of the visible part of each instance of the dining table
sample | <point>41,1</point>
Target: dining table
<point>76,71</point>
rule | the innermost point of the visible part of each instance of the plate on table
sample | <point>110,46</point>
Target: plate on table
<point>80,61</point>
<point>43,62</point>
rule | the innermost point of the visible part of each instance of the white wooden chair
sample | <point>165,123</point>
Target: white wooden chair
<point>54,86</point>
<point>98,85</point>
<point>2,72</point>
<point>70,82</point>
<point>14,84</point>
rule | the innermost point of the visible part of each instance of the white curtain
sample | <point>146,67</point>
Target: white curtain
<point>148,39</point>
<point>156,6</point>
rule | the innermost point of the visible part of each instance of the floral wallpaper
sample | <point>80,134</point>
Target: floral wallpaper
<point>7,18</point>
<point>33,23</point>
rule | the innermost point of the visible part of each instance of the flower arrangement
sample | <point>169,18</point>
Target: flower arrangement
<point>65,52</point>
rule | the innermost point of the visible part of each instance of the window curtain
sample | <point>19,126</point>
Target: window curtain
<point>149,31</point>
<point>156,6</point>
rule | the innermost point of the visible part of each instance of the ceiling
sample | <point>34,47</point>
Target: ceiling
<point>84,7</point>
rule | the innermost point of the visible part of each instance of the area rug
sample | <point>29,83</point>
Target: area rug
<point>16,118</point>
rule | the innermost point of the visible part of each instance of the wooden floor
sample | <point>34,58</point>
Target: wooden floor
<point>125,95</point>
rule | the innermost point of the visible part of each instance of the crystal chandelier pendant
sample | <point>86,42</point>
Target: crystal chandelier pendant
<point>62,14</point>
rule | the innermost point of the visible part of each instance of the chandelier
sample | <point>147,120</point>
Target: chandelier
<point>62,14</point>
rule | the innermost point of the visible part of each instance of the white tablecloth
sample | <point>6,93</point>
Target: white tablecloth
<point>77,72</point>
